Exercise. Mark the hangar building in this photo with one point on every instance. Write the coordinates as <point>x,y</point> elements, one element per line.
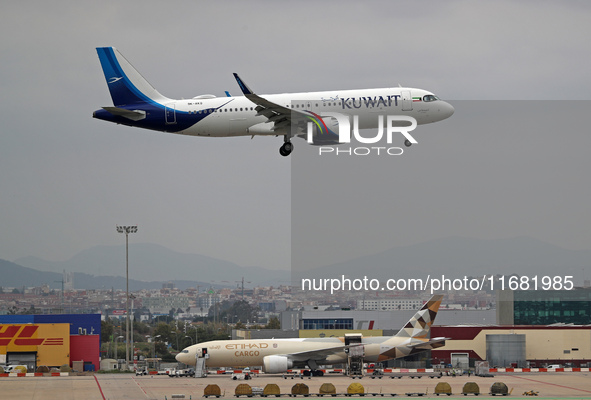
<point>519,346</point>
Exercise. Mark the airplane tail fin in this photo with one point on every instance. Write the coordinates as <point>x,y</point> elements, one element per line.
<point>126,84</point>
<point>419,325</point>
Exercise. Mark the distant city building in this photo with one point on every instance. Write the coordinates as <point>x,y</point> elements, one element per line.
<point>207,301</point>
<point>168,285</point>
<point>280,305</point>
<point>267,306</point>
<point>165,303</point>
<point>68,279</point>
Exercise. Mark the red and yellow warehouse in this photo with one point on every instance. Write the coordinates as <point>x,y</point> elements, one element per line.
<point>46,344</point>
<point>38,341</point>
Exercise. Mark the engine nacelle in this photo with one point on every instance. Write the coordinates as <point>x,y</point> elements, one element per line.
<point>276,364</point>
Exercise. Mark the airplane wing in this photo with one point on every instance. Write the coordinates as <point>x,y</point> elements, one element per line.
<point>284,118</point>
<point>319,355</point>
<point>316,354</point>
<point>280,116</point>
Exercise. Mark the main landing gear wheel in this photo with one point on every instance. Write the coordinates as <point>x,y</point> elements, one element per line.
<point>312,372</point>
<point>407,143</point>
<point>286,149</point>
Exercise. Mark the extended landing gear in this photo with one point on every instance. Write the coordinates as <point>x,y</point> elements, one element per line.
<point>286,149</point>
<point>312,372</point>
<point>407,143</point>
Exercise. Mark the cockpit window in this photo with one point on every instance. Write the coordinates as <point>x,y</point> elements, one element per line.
<point>185,351</point>
<point>430,97</point>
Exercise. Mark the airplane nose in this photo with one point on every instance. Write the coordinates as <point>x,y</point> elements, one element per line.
<point>448,110</point>
<point>186,356</point>
<point>182,357</point>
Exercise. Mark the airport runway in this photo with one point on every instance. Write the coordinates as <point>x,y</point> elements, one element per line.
<point>126,386</point>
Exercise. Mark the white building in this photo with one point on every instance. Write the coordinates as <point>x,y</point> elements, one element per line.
<point>389,304</point>
<point>159,304</point>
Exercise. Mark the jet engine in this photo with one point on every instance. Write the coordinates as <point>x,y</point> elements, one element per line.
<point>276,364</point>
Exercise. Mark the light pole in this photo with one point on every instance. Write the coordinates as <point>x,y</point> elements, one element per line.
<point>127,230</point>
<point>116,339</point>
<point>153,339</point>
<point>191,339</point>
<point>131,296</point>
<point>176,334</point>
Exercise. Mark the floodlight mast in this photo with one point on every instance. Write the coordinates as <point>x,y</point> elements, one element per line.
<point>127,230</point>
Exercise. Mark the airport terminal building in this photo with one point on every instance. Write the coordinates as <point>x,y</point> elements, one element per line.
<point>372,319</point>
<point>50,340</point>
<point>544,307</point>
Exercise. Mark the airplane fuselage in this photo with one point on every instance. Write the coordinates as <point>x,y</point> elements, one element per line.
<point>236,116</point>
<point>279,355</point>
<point>250,353</point>
<point>139,104</point>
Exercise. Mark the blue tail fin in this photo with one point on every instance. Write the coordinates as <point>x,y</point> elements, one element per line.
<point>126,84</point>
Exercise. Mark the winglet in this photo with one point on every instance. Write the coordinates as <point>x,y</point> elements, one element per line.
<point>245,89</point>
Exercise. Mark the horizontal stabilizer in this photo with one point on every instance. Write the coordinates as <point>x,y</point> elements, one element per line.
<point>426,345</point>
<point>134,115</point>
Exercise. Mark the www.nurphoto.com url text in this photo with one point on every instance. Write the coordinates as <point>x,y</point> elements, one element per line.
<point>435,284</point>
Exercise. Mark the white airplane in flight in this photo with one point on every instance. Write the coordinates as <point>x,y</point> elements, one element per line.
<point>137,103</point>
<point>279,355</point>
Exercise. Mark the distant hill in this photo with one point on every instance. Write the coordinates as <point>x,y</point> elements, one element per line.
<point>150,265</point>
<point>456,257</point>
<point>155,263</point>
<point>14,275</point>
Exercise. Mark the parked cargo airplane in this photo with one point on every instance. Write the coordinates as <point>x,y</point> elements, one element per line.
<point>279,355</point>
<point>137,103</point>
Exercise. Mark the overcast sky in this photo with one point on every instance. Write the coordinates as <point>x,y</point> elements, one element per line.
<point>66,180</point>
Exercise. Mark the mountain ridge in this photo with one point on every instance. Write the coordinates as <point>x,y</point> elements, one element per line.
<point>449,256</point>
<point>458,256</point>
<point>156,263</point>
<point>17,276</point>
